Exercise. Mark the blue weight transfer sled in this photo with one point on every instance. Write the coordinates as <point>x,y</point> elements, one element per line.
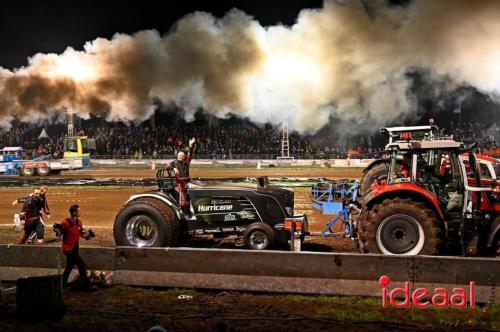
<point>337,198</point>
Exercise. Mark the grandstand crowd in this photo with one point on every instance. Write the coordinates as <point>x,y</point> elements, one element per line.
<point>216,139</point>
<point>487,136</point>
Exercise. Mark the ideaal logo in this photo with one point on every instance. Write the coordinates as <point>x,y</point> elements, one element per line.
<point>439,297</point>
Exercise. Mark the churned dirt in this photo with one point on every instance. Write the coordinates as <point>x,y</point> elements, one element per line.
<point>100,205</point>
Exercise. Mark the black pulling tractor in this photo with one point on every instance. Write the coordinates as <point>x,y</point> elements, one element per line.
<point>256,215</point>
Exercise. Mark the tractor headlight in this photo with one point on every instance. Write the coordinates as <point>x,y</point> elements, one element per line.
<point>289,210</point>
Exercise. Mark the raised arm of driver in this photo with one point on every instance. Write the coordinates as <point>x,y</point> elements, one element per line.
<point>192,146</point>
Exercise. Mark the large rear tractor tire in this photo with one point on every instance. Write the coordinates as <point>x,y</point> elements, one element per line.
<point>400,227</point>
<point>146,222</point>
<point>371,175</point>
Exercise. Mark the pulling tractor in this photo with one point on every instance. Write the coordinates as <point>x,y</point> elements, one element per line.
<point>430,195</point>
<point>261,217</point>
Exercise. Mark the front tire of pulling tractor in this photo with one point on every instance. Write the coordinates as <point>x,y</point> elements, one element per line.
<point>146,222</point>
<point>400,226</point>
<point>258,236</point>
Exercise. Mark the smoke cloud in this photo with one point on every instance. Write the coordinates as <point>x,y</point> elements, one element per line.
<point>349,60</point>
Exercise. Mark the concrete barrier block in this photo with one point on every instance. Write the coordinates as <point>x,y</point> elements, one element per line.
<point>262,271</point>
<point>271,271</point>
<point>450,272</point>
<point>98,258</point>
<point>30,255</point>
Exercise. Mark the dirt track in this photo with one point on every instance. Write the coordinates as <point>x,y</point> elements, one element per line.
<point>221,171</point>
<point>100,204</point>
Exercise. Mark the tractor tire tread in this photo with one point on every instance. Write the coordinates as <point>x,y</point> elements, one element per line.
<point>372,218</point>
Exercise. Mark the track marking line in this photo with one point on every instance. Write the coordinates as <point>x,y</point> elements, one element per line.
<point>85,226</point>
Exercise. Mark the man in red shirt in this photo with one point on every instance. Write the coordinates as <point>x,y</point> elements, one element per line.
<point>71,229</point>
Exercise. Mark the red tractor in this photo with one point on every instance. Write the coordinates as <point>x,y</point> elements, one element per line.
<point>435,196</point>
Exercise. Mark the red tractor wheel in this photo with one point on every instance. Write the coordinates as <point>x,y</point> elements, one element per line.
<point>400,227</point>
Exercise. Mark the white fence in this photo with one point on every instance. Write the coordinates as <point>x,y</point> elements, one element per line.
<point>237,162</point>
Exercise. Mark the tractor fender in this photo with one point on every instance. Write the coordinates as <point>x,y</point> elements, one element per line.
<point>372,164</point>
<point>411,190</point>
<point>162,198</point>
<point>495,230</point>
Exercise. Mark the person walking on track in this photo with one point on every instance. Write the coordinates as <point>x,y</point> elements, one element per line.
<point>32,216</point>
<point>71,229</point>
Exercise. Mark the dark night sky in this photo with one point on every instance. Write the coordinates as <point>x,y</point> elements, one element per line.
<point>49,26</point>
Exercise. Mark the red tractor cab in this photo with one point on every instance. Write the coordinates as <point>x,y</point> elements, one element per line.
<point>378,168</point>
<point>434,198</point>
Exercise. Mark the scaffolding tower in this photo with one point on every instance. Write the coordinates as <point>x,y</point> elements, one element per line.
<point>285,143</point>
<point>70,118</point>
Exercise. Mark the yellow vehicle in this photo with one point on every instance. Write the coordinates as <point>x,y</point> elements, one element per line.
<point>79,147</point>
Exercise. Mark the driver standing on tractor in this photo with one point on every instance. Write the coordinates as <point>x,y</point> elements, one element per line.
<point>180,166</point>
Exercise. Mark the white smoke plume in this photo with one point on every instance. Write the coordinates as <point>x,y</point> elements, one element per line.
<point>349,59</point>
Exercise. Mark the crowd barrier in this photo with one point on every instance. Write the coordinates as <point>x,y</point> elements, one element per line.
<point>264,271</point>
